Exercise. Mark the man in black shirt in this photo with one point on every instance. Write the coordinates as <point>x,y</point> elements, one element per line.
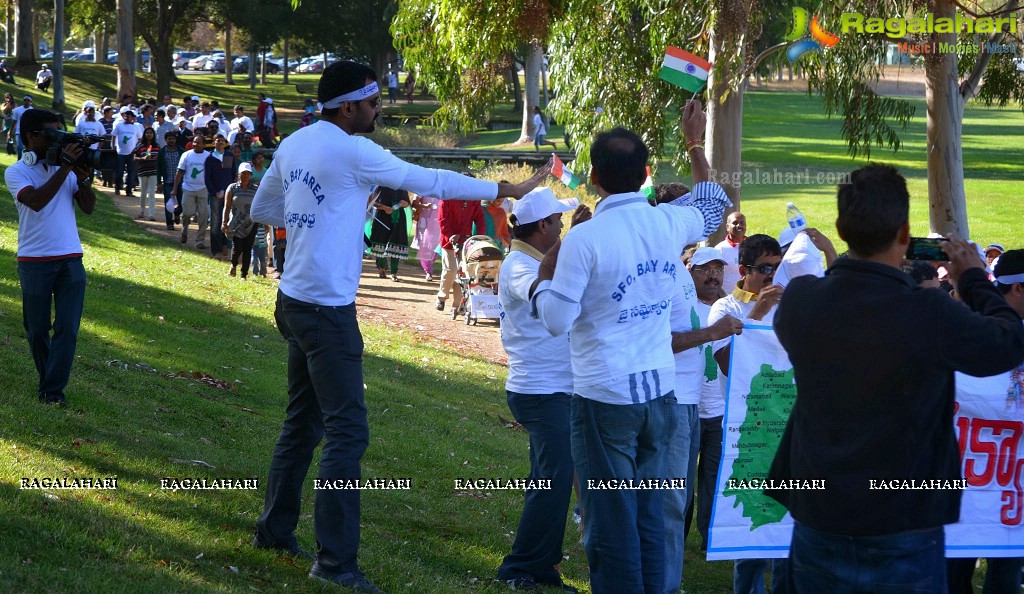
<point>873,356</point>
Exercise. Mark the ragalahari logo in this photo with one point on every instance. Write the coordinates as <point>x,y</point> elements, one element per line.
<point>819,37</point>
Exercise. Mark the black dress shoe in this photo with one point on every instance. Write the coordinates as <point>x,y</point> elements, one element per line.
<point>295,552</point>
<point>353,580</point>
<point>57,399</point>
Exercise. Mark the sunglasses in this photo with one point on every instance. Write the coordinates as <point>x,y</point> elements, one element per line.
<point>765,269</point>
<point>708,271</point>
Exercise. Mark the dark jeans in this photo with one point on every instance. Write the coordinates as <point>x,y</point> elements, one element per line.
<point>537,548</point>
<point>1002,576</point>
<point>243,247</point>
<point>123,164</point>
<point>748,576</point>
<point>707,476</point>
<point>903,562</point>
<point>218,241</point>
<point>168,192</point>
<point>45,85</point>
<point>625,529</point>
<point>62,283</point>
<point>279,249</point>
<point>325,398</point>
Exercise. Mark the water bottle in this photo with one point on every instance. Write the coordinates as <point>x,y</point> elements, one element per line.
<point>797,222</point>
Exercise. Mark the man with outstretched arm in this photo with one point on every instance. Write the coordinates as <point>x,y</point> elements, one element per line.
<point>317,188</point>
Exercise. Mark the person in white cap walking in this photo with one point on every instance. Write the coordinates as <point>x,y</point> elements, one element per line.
<point>238,224</point>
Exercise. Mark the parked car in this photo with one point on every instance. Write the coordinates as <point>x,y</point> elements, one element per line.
<point>1019,62</point>
<point>216,63</point>
<point>181,59</point>
<point>279,63</point>
<point>312,67</point>
<point>198,62</point>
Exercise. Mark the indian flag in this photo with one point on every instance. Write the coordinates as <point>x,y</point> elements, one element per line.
<point>559,170</point>
<point>684,69</point>
<point>648,188</point>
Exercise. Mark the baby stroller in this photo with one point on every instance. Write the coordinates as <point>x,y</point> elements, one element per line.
<point>478,261</point>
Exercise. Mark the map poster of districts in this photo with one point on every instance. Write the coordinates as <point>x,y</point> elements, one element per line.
<point>989,424</point>
<point>745,523</point>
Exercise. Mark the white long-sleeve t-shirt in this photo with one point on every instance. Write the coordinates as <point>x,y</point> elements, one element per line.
<point>317,187</point>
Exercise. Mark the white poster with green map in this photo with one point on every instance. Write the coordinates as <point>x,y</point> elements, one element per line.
<point>745,523</point>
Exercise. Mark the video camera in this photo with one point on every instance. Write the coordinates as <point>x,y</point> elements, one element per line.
<point>90,158</point>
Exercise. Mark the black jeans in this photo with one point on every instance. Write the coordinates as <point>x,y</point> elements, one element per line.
<point>325,398</point>
<point>168,193</point>
<point>242,246</point>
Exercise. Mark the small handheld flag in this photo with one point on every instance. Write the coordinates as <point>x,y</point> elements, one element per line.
<point>559,170</point>
<point>648,188</point>
<point>684,69</point>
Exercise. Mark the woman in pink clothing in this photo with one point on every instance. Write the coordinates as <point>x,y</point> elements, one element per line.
<point>428,232</point>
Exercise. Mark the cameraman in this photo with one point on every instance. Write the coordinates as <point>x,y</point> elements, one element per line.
<point>49,250</point>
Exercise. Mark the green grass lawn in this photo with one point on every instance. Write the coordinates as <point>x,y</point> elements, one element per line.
<point>159,318</point>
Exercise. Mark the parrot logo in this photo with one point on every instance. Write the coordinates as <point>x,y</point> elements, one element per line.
<point>819,36</point>
<point>124,139</point>
<point>195,172</point>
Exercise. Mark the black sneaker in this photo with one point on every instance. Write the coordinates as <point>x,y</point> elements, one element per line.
<point>353,580</point>
<point>296,551</point>
<point>57,399</point>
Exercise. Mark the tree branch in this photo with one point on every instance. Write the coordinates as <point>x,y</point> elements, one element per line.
<point>969,88</point>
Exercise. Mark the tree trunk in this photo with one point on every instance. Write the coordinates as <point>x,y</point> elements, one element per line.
<point>724,132</point>
<point>531,95</point>
<point>947,202</point>
<point>9,35</point>
<point>789,66</point>
<point>125,50</point>
<point>26,50</point>
<point>97,44</point>
<point>105,46</point>
<point>263,68</point>
<point>160,62</point>
<point>284,67</point>
<point>58,55</point>
<point>252,69</point>
<point>517,88</point>
<point>228,74</point>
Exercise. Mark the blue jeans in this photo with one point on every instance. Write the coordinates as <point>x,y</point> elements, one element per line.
<point>325,398</point>
<point>707,477</point>
<point>748,576</point>
<point>259,260</point>
<point>61,283</point>
<point>903,562</point>
<point>682,462</point>
<point>218,241</point>
<point>537,548</point>
<point>122,165</point>
<point>625,529</point>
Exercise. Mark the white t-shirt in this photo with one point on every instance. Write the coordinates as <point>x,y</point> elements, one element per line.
<point>53,231</point>
<point>200,120</point>
<point>538,125</point>
<point>43,75</point>
<point>242,123</point>
<point>712,403</point>
<point>193,165</point>
<point>685,318</point>
<point>126,137</point>
<point>732,263</point>
<point>16,114</point>
<point>620,271</point>
<point>538,363</point>
<point>93,127</point>
<point>322,205</point>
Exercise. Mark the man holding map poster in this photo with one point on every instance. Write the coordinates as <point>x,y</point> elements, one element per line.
<point>873,357</point>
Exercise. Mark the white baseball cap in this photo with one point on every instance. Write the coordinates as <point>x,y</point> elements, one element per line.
<point>538,204</point>
<point>245,167</point>
<point>706,254</point>
<point>195,97</point>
